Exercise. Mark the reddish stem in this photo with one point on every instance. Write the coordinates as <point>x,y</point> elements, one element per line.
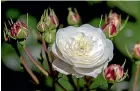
<point>49,55</point>
<point>35,62</point>
<point>29,70</point>
<point>135,77</point>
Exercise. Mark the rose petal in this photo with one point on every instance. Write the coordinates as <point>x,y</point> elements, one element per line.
<point>94,72</point>
<point>64,68</point>
<point>93,28</point>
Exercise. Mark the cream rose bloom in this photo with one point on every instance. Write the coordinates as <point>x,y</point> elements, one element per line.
<point>83,50</point>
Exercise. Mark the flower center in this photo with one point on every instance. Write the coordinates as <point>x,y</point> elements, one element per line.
<point>81,45</point>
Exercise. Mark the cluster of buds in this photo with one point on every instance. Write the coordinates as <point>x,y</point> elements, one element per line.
<point>47,25</point>
<point>48,21</point>
<point>115,73</point>
<point>136,51</point>
<point>17,31</point>
<point>113,24</point>
<point>73,18</point>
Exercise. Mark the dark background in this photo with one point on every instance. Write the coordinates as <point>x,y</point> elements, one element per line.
<point>21,81</point>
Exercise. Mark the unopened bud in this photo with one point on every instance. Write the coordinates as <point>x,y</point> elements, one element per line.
<point>73,18</point>
<point>113,24</point>
<point>136,51</point>
<point>19,30</point>
<point>49,21</point>
<point>115,19</point>
<point>115,73</point>
<point>42,27</point>
<point>110,30</point>
<point>50,36</point>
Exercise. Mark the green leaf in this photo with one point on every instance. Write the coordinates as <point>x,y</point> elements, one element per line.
<point>99,82</point>
<point>48,81</point>
<point>10,58</point>
<point>58,88</point>
<point>65,82</point>
<point>82,82</point>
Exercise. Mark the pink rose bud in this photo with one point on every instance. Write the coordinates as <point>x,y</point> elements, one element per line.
<point>115,19</point>
<point>19,30</point>
<point>114,72</point>
<point>112,25</point>
<point>109,29</point>
<point>137,50</point>
<point>73,18</point>
<point>53,19</point>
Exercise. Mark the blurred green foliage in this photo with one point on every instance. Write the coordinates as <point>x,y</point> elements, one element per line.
<point>13,13</point>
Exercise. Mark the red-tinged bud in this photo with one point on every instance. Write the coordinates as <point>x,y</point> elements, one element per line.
<point>53,19</point>
<point>115,19</point>
<point>49,21</point>
<point>109,29</point>
<point>137,50</point>
<point>19,30</point>
<point>113,24</point>
<point>73,18</point>
<point>114,72</point>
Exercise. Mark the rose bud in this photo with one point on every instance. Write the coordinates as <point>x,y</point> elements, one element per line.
<point>50,36</point>
<point>113,24</point>
<point>115,19</point>
<point>19,30</point>
<point>42,27</point>
<point>73,18</point>
<point>115,73</point>
<point>48,21</point>
<point>53,20</point>
<point>136,51</point>
<point>110,30</point>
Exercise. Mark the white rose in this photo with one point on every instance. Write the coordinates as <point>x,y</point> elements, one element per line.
<point>83,50</point>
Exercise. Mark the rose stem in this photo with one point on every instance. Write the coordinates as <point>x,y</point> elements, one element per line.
<point>35,62</point>
<point>23,62</point>
<point>136,77</point>
<point>29,70</point>
<point>49,55</point>
<point>49,63</point>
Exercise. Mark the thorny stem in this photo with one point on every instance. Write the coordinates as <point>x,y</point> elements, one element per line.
<point>23,62</point>
<point>35,62</point>
<point>136,77</point>
<point>29,70</point>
